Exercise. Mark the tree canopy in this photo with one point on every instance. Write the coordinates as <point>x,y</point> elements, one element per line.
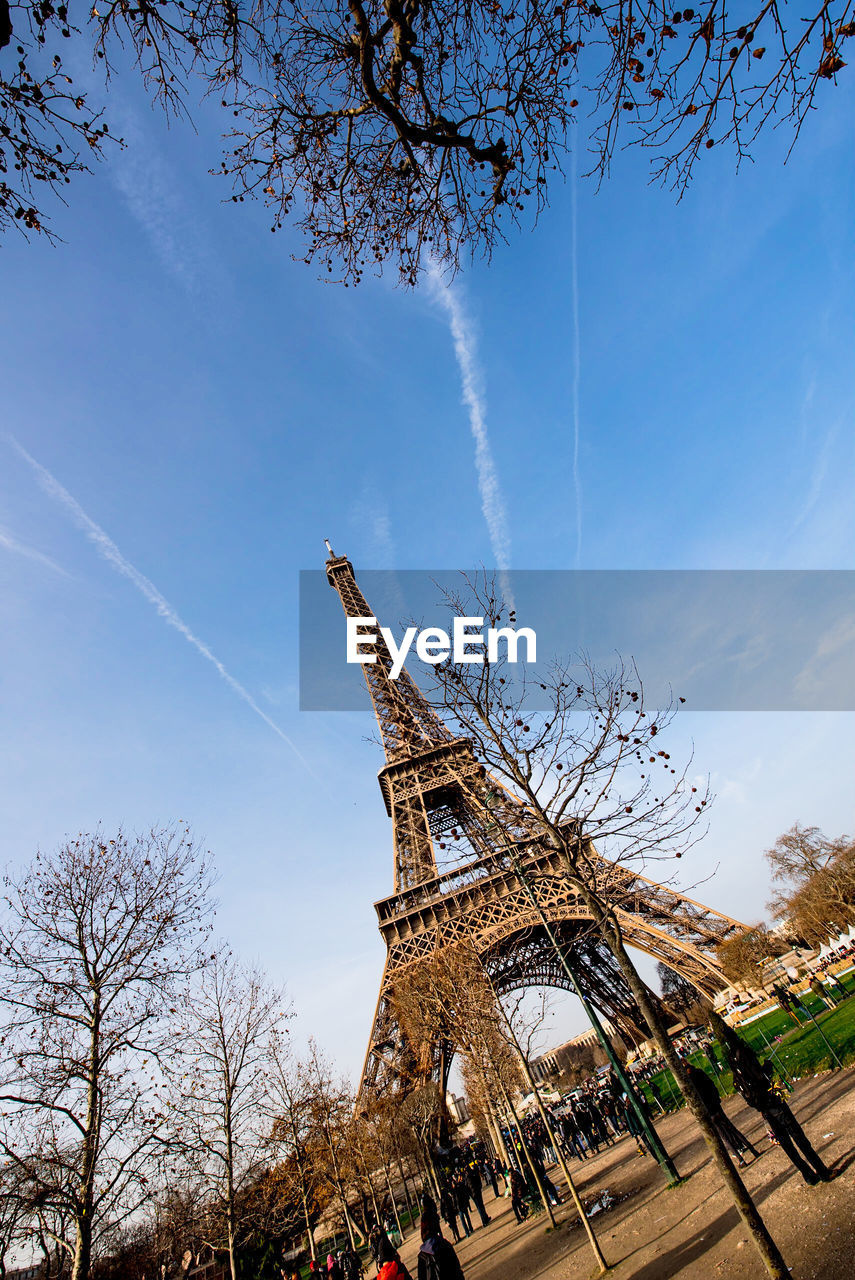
<point>814,881</point>
<point>407,131</point>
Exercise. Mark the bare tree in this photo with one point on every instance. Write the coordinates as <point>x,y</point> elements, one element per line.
<point>220,1082</point>
<point>332,1104</point>
<point>590,778</point>
<point>815,883</point>
<point>410,132</point>
<point>289,1107</point>
<point>447,995</point>
<point>520,1028</point>
<point>424,1112</point>
<point>681,996</point>
<point>97,940</point>
<point>15,1212</point>
<point>798,855</point>
<point>743,957</point>
<point>380,1123</point>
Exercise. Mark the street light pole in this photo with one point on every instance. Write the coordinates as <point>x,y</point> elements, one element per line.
<point>665,1162</point>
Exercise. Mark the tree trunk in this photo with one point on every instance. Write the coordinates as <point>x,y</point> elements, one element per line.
<point>754,1223</point>
<point>400,1165</point>
<point>370,1182</point>
<point>82,1251</point>
<point>232,1258</point>
<point>347,1221</point>
<point>527,1156</point>
<point>431,1168</point>
<point>421,1168</point>
<point>385,1168</point>
<point>231,1223</point>
<point>305,1200</point>
<point>580,1208</point>
<point>497,1127</point>
<point>89,1156</point>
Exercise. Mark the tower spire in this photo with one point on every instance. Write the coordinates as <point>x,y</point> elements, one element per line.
<point>425,763</point>
<point>408,725</point>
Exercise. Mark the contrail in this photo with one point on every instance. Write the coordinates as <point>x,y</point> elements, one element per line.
<point>108,550</point>
<point>12,544</point>
<point>466,353</point>
<point>577,359</point>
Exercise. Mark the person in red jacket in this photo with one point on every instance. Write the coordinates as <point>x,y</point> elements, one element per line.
<point>389,1265</point>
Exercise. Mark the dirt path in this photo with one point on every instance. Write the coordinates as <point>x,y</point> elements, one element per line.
<point>692,1231</point>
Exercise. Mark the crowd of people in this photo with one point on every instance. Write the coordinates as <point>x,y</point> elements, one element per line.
<point>437,1259</point>
<point>595,1116</point>
<point>346,1264</point>
<point>828,991</point>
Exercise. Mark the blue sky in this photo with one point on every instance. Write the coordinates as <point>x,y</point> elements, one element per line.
<point>218,412</point>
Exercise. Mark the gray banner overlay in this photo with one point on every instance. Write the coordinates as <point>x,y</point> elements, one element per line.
<point>725,640</point>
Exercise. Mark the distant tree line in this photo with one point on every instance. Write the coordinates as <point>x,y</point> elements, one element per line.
<point>813,901</point>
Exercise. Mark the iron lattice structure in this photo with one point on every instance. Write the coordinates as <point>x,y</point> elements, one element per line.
<point>435,789</point>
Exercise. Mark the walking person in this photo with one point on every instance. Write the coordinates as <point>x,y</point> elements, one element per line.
<point>607,1107</point>
<point>833,988</point>
<point>474,1184</point>
<point>545,1181</point>
<point>437,1259</point>
<point>429,1205</point>
<point>351,1265</point>
<point>518,1193</point>
<point>377,1240</point>
<point>752,1079</point>
<point>788,1002</point>
<point>503,1181</point>
<point>448,1209</point>
<point>600,1127</point>
<point>461,1196</point>
<point>586,1124</point>
<point>490,1170</point>
<point>735,1141</point>
<point>389,1265</point>
<point>570,1134</point>
<point>334,1271</point>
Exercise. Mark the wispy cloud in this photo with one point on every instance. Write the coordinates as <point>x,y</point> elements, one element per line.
<point>370,514</point>
<point>108,551</point>
<point>472,386</point>
<point>150,190</point>
<point>820,470</point>
<point>21,549</point>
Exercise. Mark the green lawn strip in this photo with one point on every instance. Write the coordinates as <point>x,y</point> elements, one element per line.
<point>800,1051</point>
<point>803,1051</point>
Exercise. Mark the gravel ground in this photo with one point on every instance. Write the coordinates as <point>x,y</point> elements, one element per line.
<point>690,1231</point>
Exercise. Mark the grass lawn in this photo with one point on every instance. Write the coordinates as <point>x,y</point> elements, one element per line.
<point>794,1051</point>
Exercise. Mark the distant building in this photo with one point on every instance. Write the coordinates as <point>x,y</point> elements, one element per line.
<point>549,1065</point>
<point>459,1109</point>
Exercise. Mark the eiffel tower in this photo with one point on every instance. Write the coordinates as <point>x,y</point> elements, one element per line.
<point>437,793</point>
